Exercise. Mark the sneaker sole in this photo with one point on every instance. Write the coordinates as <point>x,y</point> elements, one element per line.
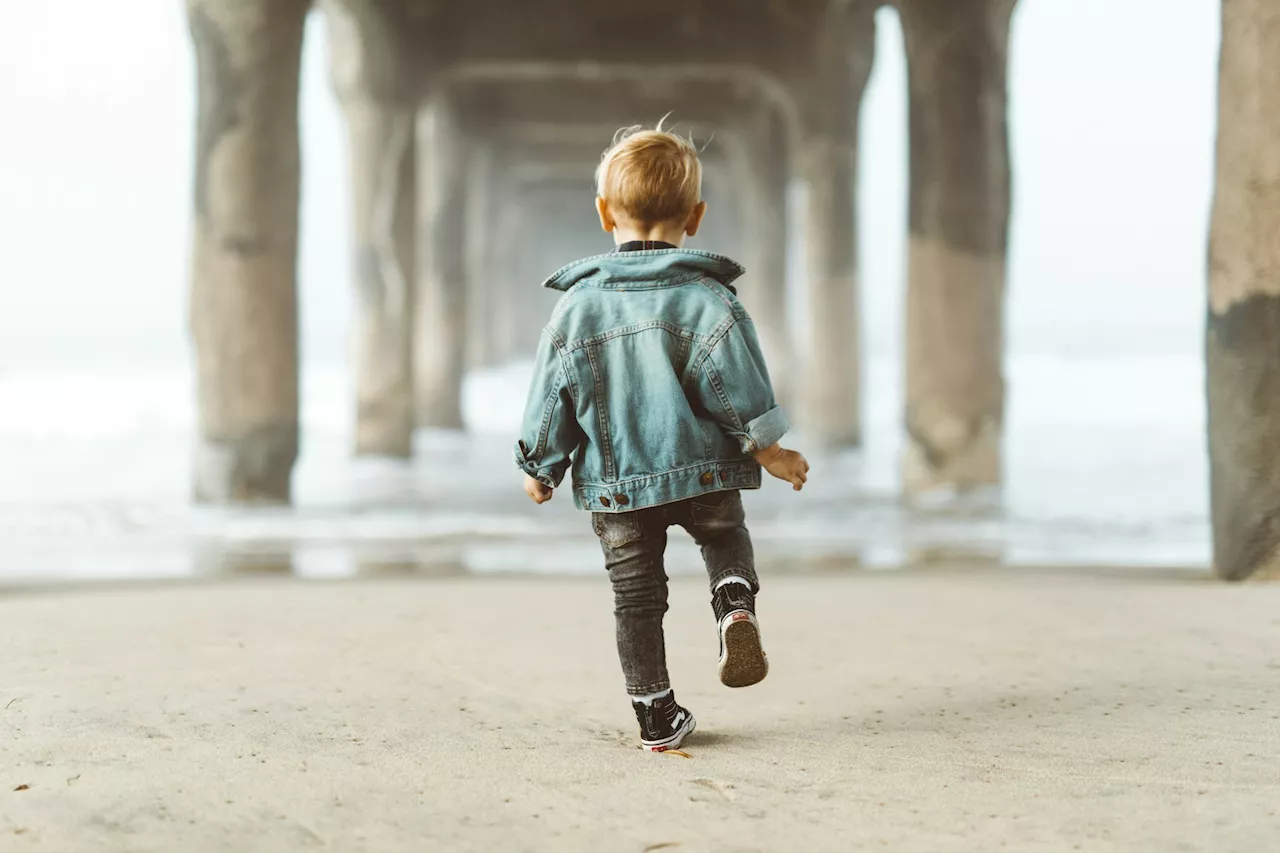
<point>673,742</point>
<point>744,662</point>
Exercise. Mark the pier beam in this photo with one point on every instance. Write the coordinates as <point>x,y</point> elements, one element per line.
<point>763,182</point>
<point>483,298</point>
<point>827,154</point>
<point>243,301</point>
<point>957,59</point>
<point>1242,343</point>
<point>372,80</point>
<point>504,318</point>
<point>441,310</point>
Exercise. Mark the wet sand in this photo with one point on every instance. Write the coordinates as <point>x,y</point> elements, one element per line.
<point>936,711</point>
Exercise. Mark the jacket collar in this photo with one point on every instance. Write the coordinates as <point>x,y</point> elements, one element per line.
<point>641,245</point>
<point>650,267</point>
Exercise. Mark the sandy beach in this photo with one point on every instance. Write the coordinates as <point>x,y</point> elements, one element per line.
<point>909,712</point>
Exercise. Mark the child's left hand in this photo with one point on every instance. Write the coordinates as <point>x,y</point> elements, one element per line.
<point>537,491</point>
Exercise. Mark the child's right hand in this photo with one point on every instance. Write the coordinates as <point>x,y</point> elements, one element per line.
<point>785,465</point>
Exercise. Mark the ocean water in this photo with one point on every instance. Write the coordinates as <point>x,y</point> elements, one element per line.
<point>1105,467</point>
<point>1105,451</point>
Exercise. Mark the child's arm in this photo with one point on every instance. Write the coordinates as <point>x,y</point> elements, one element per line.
<point>734,386</point>
<point>550,431</point>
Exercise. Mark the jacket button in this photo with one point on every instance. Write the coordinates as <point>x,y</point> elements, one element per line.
<point>604,501</point>
<point>621,500</point>
<point>707,478</point>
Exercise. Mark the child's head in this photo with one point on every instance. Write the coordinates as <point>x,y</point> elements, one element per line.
<point>649,186</point>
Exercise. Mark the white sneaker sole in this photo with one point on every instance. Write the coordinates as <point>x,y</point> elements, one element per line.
<point>743,662</point>
<point>683,731</point>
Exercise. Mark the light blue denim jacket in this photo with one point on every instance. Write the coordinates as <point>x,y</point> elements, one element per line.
<point>650,380</point>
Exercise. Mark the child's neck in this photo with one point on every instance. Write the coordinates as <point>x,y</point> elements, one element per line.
<point>660,233</point>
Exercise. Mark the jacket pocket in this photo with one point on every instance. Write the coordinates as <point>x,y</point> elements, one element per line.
<point>616,529</point>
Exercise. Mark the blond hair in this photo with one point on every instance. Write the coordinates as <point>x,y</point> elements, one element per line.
<point>651,175</point>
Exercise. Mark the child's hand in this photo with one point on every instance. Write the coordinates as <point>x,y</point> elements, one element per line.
<point>785,465</point>
<point>536,490</point>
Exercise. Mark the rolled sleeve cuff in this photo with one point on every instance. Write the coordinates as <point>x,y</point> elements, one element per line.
<point>548,475</point>
<point>765,431</point>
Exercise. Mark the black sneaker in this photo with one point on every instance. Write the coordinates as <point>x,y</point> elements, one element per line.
<point>663,724</point>
<point>742,658</point>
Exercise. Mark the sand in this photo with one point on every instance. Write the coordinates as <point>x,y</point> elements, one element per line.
<point>907,712</point>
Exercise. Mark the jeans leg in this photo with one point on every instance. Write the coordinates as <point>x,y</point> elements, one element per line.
<point>717,522</point>
<point>634,544</point>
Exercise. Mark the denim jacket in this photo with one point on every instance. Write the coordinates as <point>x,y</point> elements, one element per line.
<point>649,379</point>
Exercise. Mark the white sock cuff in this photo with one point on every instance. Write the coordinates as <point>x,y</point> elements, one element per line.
<point>650,698</point>
<point>731,579</point>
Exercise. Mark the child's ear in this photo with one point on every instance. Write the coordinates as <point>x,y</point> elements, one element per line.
<point>606,217</point>
<point>695,218</point>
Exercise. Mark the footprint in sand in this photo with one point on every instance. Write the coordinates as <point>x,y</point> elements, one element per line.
<point>724,789</point>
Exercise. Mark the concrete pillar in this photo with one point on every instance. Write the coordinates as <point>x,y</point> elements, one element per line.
<point>380,113</point>
<point>827,163</point>
<point>244,307</point>
<point>557,224</point>
<point>764,176</point>
<point>729,200</point>
<point>543,222</point>
<point>957,56</point>
<point>481,240</point>
<point>504,315</point>
<point>1243,336</point>
<point>773,315</point>
<point>831,405</point>
<point>441,310</point>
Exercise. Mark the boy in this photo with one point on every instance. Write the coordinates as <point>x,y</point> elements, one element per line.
<point>649,377</point>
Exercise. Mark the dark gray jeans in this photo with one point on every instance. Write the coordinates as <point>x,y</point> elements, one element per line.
<point>634,544</point>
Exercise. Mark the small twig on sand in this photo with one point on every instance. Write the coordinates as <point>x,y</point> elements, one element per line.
<point>663,846</point>
<point>678,752</point>
<point>11,701</point>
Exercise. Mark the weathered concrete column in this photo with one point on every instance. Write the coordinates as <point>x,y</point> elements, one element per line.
<point>832,384</point>
<point>481,240</point>
<point>827,163</point>
<point>1243,337</point>
<point>957,56</point>
<point>773,315</point>
<point>766,296</point>
<point>729,198</point>
<point>244,306</point>
<point>505,273</point>
<point>441,311</point>
<point>371,80</point>
<point>505,317</point>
